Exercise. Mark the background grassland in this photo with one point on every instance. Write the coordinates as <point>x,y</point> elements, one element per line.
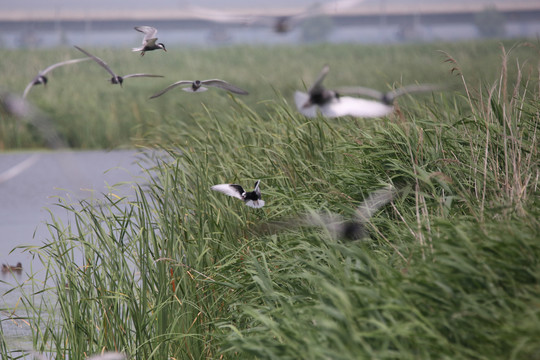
<point>90,113</point>
<point>451,268</point>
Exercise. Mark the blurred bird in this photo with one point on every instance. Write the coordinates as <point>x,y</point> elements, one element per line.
<point>217,16</point>
<point>336,225</point>
<point>196,86</point>
<point>149,40</point>
<point>116,79</point>
<point>331,104</point>
<point>42,79</point>
<point>22,109</point>
<point>284,24</point>
<point>252,199</point>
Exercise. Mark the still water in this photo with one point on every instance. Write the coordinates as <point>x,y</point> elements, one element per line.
<point>27,201</point>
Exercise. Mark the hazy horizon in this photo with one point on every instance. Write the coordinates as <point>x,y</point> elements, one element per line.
<point>40,5</point>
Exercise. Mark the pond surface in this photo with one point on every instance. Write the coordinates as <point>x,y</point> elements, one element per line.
<point>31,186</point>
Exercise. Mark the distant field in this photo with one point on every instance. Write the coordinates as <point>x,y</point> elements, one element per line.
<point>89,112</point>
<point>450,269</point>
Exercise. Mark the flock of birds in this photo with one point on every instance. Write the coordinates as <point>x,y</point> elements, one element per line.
<point>317,100</point>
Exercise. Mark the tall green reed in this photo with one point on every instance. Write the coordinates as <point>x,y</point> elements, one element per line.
<point>183,272</point>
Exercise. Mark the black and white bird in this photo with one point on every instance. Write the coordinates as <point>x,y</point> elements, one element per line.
<point>40,78</point>
<point>336,225</point>
<point>23,110</point>
<point>252,198</point>
<point>116,79</point>
<point>332,104</point>
<point>197,86</point>
<point>149,40</point>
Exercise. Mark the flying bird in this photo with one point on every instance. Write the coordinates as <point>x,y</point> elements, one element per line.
<point>284,24</point>
<point>42,79</point>
<point>252,198</point>
<point>149,40</point>
<point>332,104</point>
<point>116,79</point>
<point>20,108</point>
<point>337,226</point>
<point>196,86</point>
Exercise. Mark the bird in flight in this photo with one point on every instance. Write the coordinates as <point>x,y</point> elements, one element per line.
<point>251,198</point>
<point>332,103</point>
<point>41,77</point>
<point>149,40</point>
<point>116,79</point>
<point>336,225</point>
<point>197,86</point>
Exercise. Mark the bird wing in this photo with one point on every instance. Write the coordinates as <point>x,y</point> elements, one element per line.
<point>230,189</point>
<point>224,85</point>
<point>256,189</point>
<point>361,91</point>
<point>172,86</point>
<point>149,33</point>
<point>62,63</point>
<point>302,99</point>
<point>374,202</point>
<point>28,87</point>
<point>356,107</point>
<point>331,222</point>
<point>102,63</point>
<point>151,42</point>
<point>140,75</point>
<point>411,89</point>
<point>320,78</point>
<point>46,70</point>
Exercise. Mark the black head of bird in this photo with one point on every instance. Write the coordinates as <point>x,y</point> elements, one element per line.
<point>117,80</point>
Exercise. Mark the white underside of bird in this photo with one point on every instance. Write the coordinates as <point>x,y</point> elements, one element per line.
<point>342,106</point>
<point>234,191</point>
<point>190,89</point>
<point>255,203</point>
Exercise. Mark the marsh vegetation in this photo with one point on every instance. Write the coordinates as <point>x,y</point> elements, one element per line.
<point>451,268</point>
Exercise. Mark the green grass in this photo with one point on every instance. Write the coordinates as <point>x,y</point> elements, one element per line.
<point>90,113</point>
<point>451,268</point>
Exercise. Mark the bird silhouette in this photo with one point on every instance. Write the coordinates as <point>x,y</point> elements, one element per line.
<point>149,40</point>
<point>116,79</point>
<point>251,198</point>
<point>196,86</point>
<point>336,225</point>
<point>40,78</point>
<point>332,103</point>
